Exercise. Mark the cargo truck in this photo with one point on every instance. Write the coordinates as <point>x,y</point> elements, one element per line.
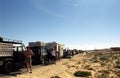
<point>11,54</point>
<point>38,48</point>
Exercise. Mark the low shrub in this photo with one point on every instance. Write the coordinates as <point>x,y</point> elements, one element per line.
<point>103,58</point>
<point>90,68</point>
<point>78,62</point>
<point>118,75</point>
<point>105,71</point>
<point>117,66</point>
<point>87,66</point>
<point>55,77</point>
<point>103,76</point>
<point>117,62</point>
<point>82,73</point>
<point>94,60</point>
<point>103,63</point>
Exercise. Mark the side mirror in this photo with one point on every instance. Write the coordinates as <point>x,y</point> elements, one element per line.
<point>1,39</point>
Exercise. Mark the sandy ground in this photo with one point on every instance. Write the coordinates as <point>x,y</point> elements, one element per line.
<point>100,64</point>
<point>58,69</point>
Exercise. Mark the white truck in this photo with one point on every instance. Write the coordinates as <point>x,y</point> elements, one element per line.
<point>11,54</point>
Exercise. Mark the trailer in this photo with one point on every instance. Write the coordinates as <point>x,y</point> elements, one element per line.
<point>11,54</point>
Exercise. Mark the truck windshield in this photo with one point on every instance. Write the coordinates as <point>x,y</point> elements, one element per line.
<point>18,47</point>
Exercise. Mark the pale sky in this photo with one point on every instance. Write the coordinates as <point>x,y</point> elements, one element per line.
<point>80,24</point>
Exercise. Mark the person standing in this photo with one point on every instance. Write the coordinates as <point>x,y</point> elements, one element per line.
<point>28,59</point>
<point>53,52</point>
<point>58,55</point>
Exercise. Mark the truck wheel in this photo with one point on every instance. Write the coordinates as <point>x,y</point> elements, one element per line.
<point>8,67</point>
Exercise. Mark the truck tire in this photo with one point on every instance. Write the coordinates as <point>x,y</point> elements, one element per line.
<point>8,67</point>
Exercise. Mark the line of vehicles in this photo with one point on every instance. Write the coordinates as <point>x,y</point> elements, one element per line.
<point>12,53</point>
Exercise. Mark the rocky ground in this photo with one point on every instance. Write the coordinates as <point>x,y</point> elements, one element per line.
<point>93,64</point>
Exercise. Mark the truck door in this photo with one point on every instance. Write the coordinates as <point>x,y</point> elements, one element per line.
<point>18,56</point>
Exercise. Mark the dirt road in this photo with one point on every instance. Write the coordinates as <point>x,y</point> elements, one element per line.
<point>40,71</point>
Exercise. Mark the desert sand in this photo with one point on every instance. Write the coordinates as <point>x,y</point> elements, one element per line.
<point>101,64</point>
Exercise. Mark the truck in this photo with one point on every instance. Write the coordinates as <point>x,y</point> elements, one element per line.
<point>115,48</point>
<point>41,50</point>
<point>38,49</point>
<point>58,47</point>
<point>11,54</point>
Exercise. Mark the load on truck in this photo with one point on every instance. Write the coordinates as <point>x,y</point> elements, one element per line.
<point>11,54</point>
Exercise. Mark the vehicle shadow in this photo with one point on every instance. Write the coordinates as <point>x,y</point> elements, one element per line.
<point>14,73</point>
